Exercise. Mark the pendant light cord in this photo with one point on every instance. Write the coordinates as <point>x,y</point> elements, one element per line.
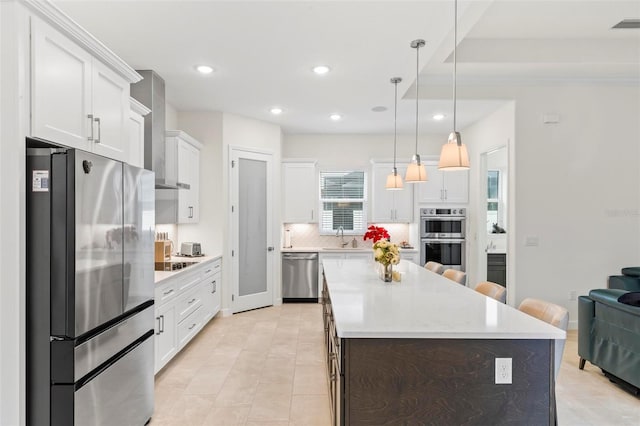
<point>455,45</point>
<point>417,85</point>
<point>395,125</point>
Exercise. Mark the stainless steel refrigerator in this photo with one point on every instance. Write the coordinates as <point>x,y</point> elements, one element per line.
<point>90,319</point>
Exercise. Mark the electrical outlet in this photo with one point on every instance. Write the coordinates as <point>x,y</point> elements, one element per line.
<point>503,371</point>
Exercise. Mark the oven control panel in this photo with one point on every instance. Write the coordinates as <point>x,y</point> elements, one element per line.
<point>440,212</point>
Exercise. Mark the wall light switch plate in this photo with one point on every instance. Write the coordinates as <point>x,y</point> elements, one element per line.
<point>503,371</point>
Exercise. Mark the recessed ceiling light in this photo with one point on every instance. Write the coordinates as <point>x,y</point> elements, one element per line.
<point>204,69</point>
<point>379,108</point>
<point>276,110</point>
<point>336,117</point>
<point>438,116</point>
<point>321,69</point>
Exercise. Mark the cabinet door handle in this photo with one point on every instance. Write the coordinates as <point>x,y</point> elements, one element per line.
<point>161,323</point>
<point>90,117</point>
<point>159,329</point>
<point>311,214</point>
<point>97,120</point>
<point>446,195</point>
<point>213,286</point>
<point>191,328</point>
<point>191,301</point>
<point>166,293</point>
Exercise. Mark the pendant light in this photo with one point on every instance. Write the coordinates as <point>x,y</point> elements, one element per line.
<point>415,171</point>
<point>394,180</point>
<point>454,155</point>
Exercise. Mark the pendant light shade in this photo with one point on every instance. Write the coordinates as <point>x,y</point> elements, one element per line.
<point>394,180</point>
<point>415,171</point>
<point>454,155</point>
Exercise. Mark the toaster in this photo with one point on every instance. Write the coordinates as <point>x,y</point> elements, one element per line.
<point>190,249</point>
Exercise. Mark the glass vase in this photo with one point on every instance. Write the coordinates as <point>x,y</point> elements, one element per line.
<point>387,273</point>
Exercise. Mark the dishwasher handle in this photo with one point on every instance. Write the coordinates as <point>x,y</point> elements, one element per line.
<point>300,256</point>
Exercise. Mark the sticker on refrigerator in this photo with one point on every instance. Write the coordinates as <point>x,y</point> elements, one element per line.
<point>40,181</point>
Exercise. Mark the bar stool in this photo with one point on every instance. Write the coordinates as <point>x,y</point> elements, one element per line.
<point>434,267</point>
<point>493,290</point>
<point>454,275</point>
<point>552,314</point>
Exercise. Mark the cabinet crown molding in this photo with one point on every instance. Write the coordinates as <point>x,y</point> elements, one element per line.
<point>184,136</point>
<point>138,107</point>
<point>56,17</point>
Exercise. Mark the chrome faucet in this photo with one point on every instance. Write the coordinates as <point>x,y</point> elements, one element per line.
<point>340,233</point>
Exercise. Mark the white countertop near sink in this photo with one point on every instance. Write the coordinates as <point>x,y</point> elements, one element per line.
<point>362,249</point>
<point>159,276</point>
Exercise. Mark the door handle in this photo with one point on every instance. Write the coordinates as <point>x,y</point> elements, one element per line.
<point>97,120</point>
<point>90,117</point>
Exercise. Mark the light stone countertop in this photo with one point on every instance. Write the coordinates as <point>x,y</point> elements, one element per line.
<point>159,276</point>
<point>423,305</point>
<point>359,249</point>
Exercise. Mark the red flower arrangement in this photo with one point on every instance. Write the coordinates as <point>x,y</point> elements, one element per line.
<point>376,233</point>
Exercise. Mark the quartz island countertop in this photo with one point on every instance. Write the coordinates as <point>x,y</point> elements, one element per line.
<point>423,305</point>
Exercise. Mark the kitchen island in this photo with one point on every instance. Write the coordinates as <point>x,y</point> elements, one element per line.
<point>423,351</point>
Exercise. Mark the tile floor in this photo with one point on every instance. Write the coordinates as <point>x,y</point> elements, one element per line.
<point>266,367</point>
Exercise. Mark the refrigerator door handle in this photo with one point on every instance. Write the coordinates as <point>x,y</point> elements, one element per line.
<point>97,120</point>
<point>90,117</point>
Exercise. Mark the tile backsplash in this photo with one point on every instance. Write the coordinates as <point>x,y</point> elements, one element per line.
<point>308,235</point>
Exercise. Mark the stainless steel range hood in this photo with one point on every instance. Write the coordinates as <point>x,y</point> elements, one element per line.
<point>150,92</point>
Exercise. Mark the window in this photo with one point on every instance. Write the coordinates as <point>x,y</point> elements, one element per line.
<point>493,199</point>
<point>342,202</point>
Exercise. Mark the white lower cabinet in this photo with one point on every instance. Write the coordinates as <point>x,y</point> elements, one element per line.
<point>184,305</point>
<point>411,256</point>
<point>166,344</point>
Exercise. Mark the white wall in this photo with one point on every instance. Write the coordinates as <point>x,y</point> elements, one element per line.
<point>241,132</point>
<point>171,117</point>
<point>357,150</point>
<point>576,187</point>
<point>493,131</point>
<point>14,126</point>
<point>206,127</point>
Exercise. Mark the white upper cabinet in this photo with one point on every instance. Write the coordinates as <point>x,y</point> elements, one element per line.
<point>185,151</point>
<point>77,100</point>
<point>137,112</point>
<point>390,206</point>
<point>443,187</point>
<point>300,192</point>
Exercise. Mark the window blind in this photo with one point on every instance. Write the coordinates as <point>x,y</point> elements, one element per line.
<point>343,203</point>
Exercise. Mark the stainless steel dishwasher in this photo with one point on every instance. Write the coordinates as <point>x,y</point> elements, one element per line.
<point>300,277</point>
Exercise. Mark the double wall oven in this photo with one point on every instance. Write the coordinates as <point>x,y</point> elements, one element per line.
<point>442,236</point>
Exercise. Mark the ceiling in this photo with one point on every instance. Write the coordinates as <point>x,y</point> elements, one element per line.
<point>263,53</point>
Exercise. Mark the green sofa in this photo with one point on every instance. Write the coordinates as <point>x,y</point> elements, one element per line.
<point>609,336</point>
<point>629,280</point>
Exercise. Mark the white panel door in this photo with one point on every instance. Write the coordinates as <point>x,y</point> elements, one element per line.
<point>61,88</point>
<point>110,94</point>
<point>252,237</point>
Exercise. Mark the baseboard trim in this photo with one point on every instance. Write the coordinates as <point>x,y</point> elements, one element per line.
<point>226,312</point>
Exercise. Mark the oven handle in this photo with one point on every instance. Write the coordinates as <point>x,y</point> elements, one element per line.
<point>442,240</point>
<point>443,218</point>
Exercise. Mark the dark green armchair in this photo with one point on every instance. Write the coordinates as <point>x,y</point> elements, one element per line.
<point>609,336</point>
